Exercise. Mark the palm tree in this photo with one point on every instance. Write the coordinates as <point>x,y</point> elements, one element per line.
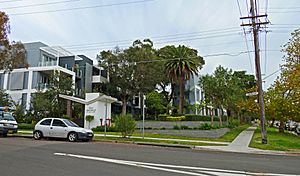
<point>181,63</point>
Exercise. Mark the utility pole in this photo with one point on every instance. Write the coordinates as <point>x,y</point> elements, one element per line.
<point>255,23</point>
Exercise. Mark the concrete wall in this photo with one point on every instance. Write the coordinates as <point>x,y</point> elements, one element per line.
<point>33,53</point>
<point>97,109</point>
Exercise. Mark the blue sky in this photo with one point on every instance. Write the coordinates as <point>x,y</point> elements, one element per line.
<point>210,26</point>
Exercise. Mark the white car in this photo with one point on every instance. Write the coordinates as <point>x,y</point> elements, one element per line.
<point>61,128</point>
<point>8,124</point>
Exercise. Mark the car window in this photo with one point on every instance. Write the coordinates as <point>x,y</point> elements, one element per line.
<point>70,123</point>
<point>58,123</point>
<point>46,122</point>
<point>7,116</point>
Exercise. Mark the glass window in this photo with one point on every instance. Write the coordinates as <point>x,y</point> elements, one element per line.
<point>70,123</point>
<point>46,122</point>
<point>7,116</point>
<point>58,123</point>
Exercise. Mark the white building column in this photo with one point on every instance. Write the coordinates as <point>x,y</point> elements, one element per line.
<point>29,88</point>
<point>5,81</point>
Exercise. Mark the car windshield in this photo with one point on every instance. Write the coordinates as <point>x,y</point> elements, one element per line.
<point>7,116</point>
<point>70,123</point>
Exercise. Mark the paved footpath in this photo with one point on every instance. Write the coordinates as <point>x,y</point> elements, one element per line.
<point>241,145</point>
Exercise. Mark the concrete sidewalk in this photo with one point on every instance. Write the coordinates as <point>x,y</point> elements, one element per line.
<point>241,145</point>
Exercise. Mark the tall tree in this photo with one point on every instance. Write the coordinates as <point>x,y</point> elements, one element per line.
<point>5,99</point>
<point>181,63</point>
<point>131,71</point>
<point>12,54</point>
<point>226,89</point>
<point>284,95</point>
<point>47,103</point>
<point>156,103</point>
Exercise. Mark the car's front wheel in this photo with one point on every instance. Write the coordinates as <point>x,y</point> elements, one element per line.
<point>72,137</point>
<point>37,135</point>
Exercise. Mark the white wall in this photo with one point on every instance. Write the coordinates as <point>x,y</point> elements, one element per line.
<point>96,109</point>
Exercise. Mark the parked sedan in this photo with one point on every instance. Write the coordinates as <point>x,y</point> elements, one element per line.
<point>8,124</point>
<point>61,128</point>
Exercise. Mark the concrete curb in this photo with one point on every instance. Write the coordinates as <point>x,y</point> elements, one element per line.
<point>251,151</point>
<point>164,145</point>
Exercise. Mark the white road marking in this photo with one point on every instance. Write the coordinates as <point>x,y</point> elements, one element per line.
<point>199,171</point>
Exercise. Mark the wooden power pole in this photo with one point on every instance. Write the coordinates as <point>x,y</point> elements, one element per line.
<point>255,23</point>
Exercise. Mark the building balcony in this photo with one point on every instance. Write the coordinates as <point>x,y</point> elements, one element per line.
<point>99,79</point>
<point>47,63</point>
<point>42,86</point>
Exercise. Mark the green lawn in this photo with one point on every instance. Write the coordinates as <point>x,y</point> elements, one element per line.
<point>228,137</point>
<point>276,141</point>
<point>133,140</point>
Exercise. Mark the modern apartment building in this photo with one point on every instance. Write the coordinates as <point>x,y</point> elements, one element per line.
<point>43,60</point>
<point>194,95</point>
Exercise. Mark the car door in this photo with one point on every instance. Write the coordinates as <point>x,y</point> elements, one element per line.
<point>44,127</point>
<point>58,129</point>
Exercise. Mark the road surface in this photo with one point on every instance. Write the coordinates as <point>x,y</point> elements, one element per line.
<point>22,157</point>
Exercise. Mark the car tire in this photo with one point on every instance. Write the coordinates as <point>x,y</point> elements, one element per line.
<point>72,137</point>
<point>4,134</point>
<point>37,135</point>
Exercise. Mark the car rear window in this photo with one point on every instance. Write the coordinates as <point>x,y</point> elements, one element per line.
<point>46,122</point>
<point>7,116</point>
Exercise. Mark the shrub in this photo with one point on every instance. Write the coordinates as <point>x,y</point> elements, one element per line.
<point>162,128</point>
<point>176,127</point>
<point>101,129</point>
<point>89,118</point>
<point>232,123</point>
<point>184,127</point>
<point>125,124</point>
<point>175,118</point>
<point>162,117</point>
<point>25,126</point>
<point>205,126</point>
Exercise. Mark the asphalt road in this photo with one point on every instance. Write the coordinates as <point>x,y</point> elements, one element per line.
<point>27,157</point>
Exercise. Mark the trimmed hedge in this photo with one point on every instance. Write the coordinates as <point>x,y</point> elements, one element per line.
<point>188,117</point>
<point>25,126</point>
<point>101,129</point>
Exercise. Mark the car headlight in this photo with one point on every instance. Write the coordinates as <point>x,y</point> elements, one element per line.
<point>1,124</point>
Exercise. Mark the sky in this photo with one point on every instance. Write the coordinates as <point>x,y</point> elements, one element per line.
<point>210,26</point>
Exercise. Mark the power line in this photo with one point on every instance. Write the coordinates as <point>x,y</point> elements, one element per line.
<point>245,36</point>
<point>80,8</point>
<point>161,37</point>
<point>297,11</point>
<point>266,77</point>
<point>41,4</point>
<point>160,41</point>
<point>9,1</point>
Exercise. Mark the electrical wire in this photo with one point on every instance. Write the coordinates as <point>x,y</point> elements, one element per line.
<point>245,36</point>
<point>266,77</point>
<point>41,4</point>
<point>80,8</point>
<point>9,1</point>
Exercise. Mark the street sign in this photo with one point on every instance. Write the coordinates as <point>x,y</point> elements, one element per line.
<point>251,94</point>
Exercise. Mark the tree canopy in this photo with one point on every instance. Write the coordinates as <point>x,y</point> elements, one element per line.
<point>131,71</point>
<point>181,63</point>
<point>12,54</point>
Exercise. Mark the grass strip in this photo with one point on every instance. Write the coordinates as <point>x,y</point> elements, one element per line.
<point>276,141</point>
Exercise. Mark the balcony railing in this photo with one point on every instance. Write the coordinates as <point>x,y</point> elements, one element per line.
<point>42,86</point>
<point>47,63</point>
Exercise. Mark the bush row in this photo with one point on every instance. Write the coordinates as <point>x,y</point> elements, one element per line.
<point>187,117</point>
<point>25,126</point>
